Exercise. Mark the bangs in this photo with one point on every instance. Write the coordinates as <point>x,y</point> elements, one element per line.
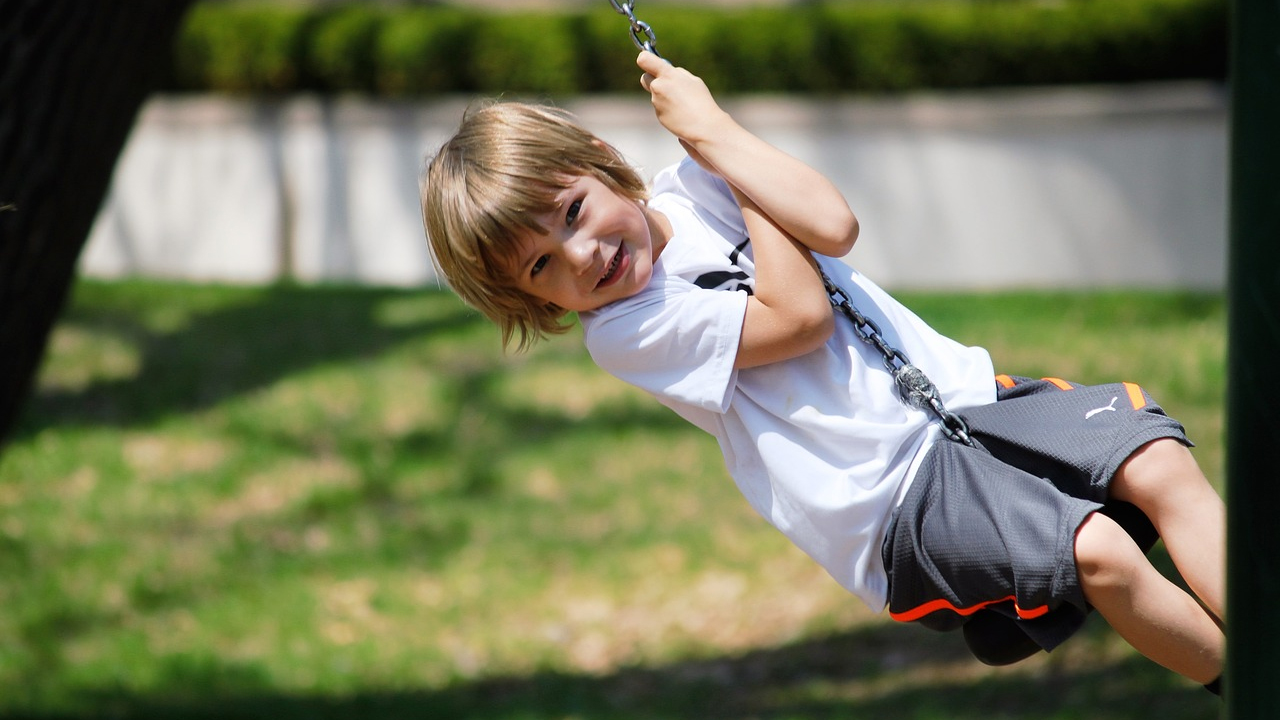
<point>502,208</point>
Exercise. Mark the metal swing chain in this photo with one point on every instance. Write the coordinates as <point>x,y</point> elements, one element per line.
<point>641,34</point>
<point>914,387</point>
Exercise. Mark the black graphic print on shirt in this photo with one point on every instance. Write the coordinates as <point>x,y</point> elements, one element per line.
<point>731,280</point>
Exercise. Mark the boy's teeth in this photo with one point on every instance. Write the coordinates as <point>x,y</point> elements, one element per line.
<point>613,265</point>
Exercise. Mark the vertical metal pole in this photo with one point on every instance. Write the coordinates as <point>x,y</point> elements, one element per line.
<point>1253,385</point>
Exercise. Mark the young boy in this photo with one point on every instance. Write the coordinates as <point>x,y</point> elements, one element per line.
<point>708,293</point>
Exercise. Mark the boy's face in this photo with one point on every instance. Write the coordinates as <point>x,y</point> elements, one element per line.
<point>600,248</point>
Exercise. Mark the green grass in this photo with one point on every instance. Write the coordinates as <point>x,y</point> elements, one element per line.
<point>340,502</point>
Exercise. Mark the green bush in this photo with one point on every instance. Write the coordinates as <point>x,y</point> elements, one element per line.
<point>243,48</point>
<point>341,52</point>
<point>869,48</point>
<point>817,47</point>
<point>526,53</point>
<point>426,51</point>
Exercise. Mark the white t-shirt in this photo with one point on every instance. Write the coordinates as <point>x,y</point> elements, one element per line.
<point>821,445</point>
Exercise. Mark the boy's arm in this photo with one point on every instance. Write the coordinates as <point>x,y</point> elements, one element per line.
<point>799,199</point>
<point>789,210</point>
<point>790,313</point>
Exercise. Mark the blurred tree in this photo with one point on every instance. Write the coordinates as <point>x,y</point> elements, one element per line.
<point>73,75</point>
<point>1253,324</point>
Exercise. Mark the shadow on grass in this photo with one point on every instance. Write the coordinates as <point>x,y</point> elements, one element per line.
<point>236,346</point>
<point>878,671</point>
<point>258,336</point>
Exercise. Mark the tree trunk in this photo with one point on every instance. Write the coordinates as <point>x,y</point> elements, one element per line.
<point>73,75</point>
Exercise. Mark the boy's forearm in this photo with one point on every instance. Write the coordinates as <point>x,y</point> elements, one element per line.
<point>789,313</point>
<point>802,201</point>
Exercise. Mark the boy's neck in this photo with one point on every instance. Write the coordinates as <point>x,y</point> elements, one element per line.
<point>659,229</point>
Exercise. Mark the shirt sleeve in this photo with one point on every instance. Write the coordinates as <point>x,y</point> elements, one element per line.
<point>673,340</point>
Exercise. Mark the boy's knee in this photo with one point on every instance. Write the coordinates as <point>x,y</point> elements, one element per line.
<point>1106,555</point>
<point>1153,471</point>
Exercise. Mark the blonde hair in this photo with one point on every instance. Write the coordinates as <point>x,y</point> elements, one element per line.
<point>487,185</point>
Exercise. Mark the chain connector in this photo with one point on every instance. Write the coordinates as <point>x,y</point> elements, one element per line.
<point>915,389</point>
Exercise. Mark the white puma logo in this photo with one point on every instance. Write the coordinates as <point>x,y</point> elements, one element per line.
<point>1104,408</point>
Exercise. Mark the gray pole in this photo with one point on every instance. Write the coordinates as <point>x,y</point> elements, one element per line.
<point>1253,383</point>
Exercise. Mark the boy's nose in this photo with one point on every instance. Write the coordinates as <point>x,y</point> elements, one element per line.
<point>581,254</point>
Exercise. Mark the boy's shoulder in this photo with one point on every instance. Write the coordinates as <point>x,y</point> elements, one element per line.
<point>701,209</point>
<point>672,339</point>
<point>689,183</point>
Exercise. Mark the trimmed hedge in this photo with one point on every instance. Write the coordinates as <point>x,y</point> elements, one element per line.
<point>414,50</point>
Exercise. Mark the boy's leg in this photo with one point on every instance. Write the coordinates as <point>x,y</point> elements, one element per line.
<point>1164,481</point>
<point>1155,616</point>
<point>1078,426</point>
<point>1112,442</point>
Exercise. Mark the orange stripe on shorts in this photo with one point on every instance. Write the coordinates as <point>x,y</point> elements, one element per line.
<point>1005,381</point>
<point>1136,398</point>
<point>1062,384</point>
<point>935,605</point>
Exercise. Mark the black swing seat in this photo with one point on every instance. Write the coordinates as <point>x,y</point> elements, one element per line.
<point>995,639</point>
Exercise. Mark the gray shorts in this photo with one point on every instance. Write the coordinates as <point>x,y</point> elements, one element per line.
<point>994,527</point>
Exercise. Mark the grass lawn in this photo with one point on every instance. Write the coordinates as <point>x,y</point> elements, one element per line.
<point>346,502</point>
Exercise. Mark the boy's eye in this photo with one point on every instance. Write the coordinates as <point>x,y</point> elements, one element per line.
<point>572,213</point>
<point>539,264</point>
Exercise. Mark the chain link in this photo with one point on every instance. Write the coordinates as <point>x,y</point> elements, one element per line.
<point>641,34</point>
<point>914,387</point>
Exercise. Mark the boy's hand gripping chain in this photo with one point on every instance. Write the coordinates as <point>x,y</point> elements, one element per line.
<point>915,388</point>
<point>641,34</point>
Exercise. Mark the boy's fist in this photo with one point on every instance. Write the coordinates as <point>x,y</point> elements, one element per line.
<point>681,101</point>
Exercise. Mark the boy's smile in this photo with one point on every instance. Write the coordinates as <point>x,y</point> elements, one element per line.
<point>600,247</point>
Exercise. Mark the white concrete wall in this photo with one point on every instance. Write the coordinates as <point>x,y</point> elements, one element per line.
<point>1077,187</point>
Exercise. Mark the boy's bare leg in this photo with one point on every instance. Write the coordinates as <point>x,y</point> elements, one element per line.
<point>1163,479</point>
<point>1155,616</point>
